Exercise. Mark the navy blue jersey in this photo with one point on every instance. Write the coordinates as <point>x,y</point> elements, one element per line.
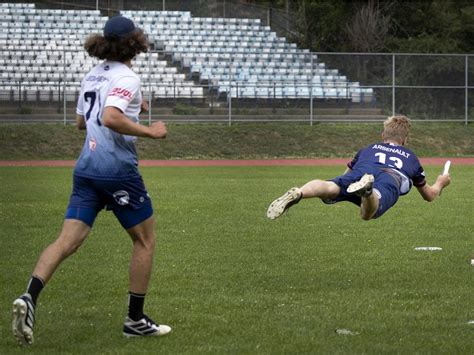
<point>394,158</point>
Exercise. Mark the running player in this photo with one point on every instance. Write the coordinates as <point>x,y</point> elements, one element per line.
<point>106,176</point>
<point>373,180</point>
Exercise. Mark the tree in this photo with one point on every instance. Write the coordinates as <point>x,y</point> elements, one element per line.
<point>432,26</point>
<point>320,24</point>
<point>369,27</point>
<point>374,25</point>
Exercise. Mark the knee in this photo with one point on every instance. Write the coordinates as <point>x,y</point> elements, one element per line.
<point>366,216</point>
<point>333,189</point>
<point>68,243</point>
<point>145,241</point>
<point>321,189</point>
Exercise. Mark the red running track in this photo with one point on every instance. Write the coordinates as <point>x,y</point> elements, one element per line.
<point>263,162</point>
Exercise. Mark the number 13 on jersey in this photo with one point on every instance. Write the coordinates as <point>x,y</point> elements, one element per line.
<point>394,162</point>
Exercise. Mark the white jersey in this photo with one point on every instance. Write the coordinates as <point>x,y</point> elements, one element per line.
<point>107,154</point>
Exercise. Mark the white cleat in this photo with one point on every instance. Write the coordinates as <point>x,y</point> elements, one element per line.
<point>23,319</point>
<point>363,187</point>
<point>282,203</point>
<point>144,327</point>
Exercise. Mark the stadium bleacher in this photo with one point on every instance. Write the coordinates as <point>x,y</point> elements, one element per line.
<point>41,54</point>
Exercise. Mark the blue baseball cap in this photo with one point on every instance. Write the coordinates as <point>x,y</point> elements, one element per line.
<point>118,27</point>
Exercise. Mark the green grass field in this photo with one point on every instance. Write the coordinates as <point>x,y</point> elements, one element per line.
<point>230,281</point>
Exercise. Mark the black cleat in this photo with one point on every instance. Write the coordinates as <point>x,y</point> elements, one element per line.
<point>144,327</point>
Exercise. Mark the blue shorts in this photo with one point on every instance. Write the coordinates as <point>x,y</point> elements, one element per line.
<point>128,199</point>
<point>386,187</point>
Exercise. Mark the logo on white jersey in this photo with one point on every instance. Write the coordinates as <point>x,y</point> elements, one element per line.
<point>122,93</point>
<point>121,197</point>
<point>92,144</point>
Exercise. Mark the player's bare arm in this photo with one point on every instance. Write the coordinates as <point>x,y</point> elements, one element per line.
<point>114,119</point>
<point>80,122</point>
<point>431,192</point>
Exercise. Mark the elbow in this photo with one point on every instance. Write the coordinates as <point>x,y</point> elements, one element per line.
<point>107,121</point>
<point>429,193</point>
<point>80,125</point>
<point>111,117</point>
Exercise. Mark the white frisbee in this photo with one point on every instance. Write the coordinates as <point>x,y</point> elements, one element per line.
<point>345,332</point>
<point>447,165</point>
<point>428,248</point>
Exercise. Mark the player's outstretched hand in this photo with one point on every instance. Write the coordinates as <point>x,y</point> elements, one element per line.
<point>443,180</point>
<point>158,130</point>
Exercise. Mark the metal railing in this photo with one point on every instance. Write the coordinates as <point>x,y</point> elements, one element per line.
<point>426,87</point>
<point>432,73</point>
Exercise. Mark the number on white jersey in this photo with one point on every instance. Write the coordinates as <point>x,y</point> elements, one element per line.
<point>90,98</point>
<point>397,163</point>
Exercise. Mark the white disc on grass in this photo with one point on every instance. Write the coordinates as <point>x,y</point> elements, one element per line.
<point>428,248</point>
<point>346,332</point>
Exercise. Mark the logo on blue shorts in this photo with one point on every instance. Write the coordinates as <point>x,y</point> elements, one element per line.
<point>121,197</point>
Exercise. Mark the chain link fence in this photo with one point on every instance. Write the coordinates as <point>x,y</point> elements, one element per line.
<point>423,86</point>
<point>426,87</point>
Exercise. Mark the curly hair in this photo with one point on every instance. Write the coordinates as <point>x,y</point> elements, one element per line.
<point>117,49</point>
<point>396,128</point>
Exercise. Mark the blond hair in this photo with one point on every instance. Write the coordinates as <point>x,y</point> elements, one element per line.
<point>396,128</point>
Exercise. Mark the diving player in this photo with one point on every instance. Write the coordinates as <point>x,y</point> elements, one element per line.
<point>373,180</point>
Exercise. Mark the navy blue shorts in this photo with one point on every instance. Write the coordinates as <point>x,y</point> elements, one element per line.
<point>128,199</point>
<point>385,187</point>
